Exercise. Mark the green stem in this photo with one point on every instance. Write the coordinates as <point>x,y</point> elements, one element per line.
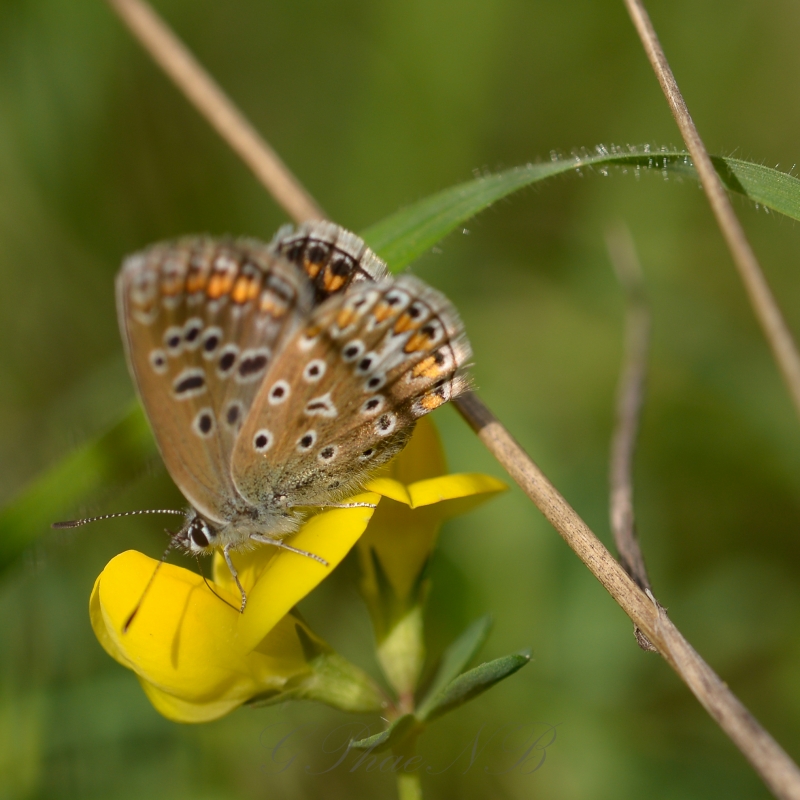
<point>409,786</point>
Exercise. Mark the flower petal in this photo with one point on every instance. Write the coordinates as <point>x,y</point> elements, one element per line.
<point>391,488</point>
<point>443,488</point>
<point>284,578</point>
<point>182,642</point>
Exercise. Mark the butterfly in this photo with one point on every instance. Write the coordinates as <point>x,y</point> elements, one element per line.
<point>277,377</point>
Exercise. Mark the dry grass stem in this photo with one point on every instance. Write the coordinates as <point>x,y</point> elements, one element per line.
<point>213,104</point>
<point>630,397</point>
<point>763,302</point>
<point>762,751</point>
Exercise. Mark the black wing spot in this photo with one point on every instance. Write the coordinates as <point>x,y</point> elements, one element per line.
<point>193,331</point>
<point>262,441</point>
<point>211,343</point>
<point>232,415</point>
<point>250,365</point>
<point>226,360</point>
<point>317,253</point>
<point>190,383</point>
<point>342,265</point>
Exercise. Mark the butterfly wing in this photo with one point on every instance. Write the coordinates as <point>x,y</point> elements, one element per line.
<point>202,320</point>
<point>343,395</point>
<point>332,257</point>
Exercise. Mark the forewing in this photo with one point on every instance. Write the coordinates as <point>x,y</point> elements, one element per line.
<point>342,397</point>
<point>202,321</point>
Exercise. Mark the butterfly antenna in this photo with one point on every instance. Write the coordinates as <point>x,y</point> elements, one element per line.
<point>172,542</point>
<point>210,588</point>
<point>77,523</point>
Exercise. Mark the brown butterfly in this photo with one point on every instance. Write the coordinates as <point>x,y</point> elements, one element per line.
<point>277,377</point>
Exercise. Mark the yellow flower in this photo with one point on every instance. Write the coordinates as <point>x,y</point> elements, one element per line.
<point>197,657</point>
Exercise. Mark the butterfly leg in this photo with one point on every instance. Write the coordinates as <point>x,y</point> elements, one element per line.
<point>226,551</point>
<point>340,505</point>
<point>278,543</point>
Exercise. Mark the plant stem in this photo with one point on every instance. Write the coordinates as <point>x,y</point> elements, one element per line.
<point>409,786</point>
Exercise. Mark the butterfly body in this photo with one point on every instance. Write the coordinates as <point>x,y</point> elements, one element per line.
<point>277,376</point>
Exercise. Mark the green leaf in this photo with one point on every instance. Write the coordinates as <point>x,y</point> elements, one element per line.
<point>470,684</point>
<point>392,736</point>
<point>404,236</point>
<point>456,657</point>
<point>114,458</point>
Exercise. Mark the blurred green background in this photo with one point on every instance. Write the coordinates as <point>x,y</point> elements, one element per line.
<point>376,105</point>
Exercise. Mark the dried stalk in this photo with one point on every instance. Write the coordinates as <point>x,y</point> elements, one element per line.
<point>630,398</point>
<point>759,748</point>
<point>761,298</point>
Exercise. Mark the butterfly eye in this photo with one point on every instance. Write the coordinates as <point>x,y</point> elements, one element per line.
<point>200,535</point>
